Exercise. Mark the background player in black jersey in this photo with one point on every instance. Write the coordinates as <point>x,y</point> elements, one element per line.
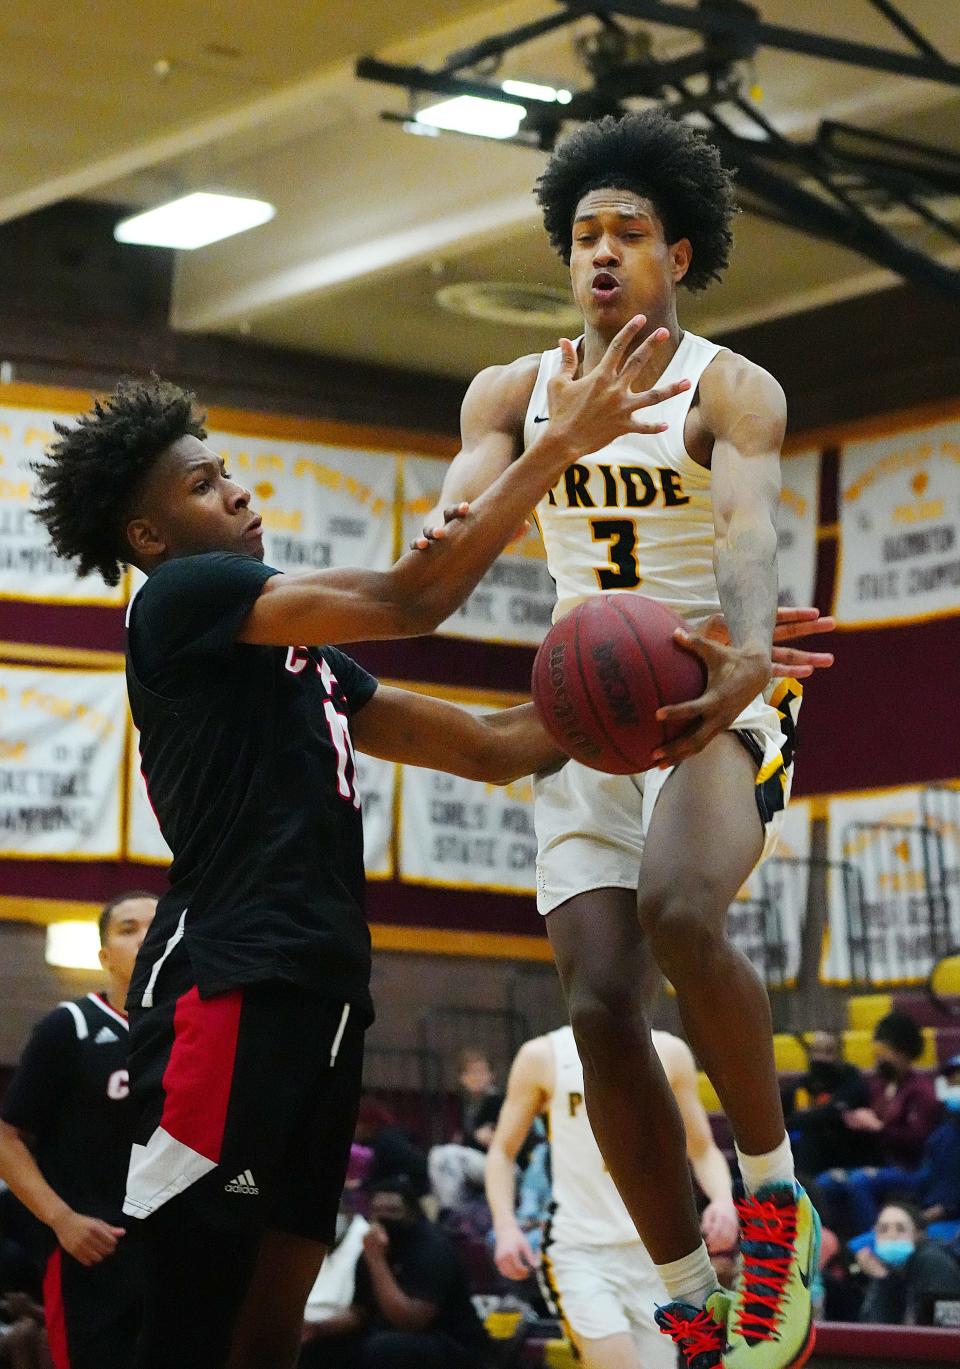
<point>250,997</point>
<point>64,1147</point>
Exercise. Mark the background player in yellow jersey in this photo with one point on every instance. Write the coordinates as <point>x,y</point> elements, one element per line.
<point>596,1268</point>
<point>687,515</point>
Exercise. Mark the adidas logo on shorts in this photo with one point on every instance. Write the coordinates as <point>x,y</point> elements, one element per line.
<point>243,1183</point>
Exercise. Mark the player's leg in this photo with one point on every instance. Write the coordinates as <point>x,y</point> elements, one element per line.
<point>704,837</point>
<point>607,976</point>
<point>270,1320</point>
<point>611,1352</point>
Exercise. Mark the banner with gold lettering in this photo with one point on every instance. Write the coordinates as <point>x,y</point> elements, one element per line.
<point>321,506</point>
<point>899,528</point>
<point>797,528</point>
<point>514,600</point>
<point>62,737</point>
<point>29,567</point>
<point>894,887</point>
<point>465,834</point>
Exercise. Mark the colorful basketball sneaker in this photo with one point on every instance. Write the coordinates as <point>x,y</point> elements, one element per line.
<point>771,1319</point>
<point>698,1332</point>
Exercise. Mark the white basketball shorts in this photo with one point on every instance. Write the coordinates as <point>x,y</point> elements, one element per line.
<point>591,826</point>
<point>606,1290</point>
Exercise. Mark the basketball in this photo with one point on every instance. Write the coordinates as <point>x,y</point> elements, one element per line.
<point>602,672</point>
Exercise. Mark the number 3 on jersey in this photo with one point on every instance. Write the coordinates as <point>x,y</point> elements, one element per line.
<point>623,571</point>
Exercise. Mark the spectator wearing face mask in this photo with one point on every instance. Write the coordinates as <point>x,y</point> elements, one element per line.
<point>893,1129</point>
<point>816,1107</point>
<point>904,1270</point>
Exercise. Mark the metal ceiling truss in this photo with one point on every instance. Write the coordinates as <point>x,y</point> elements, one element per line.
<point>844,185</point>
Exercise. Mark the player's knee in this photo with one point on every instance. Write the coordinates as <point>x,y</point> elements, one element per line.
<point>605,1017</point>
<point>684,935</point>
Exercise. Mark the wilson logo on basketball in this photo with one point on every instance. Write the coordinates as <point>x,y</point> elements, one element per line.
<point>575,740</point>
<point>615,686</point>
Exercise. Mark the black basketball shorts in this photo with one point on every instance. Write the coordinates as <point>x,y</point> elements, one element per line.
<point>245,1102</point>
<point>93,1314</point>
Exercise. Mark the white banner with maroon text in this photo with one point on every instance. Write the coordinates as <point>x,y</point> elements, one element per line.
<point>62,736</point>
<point>894,885</point>
<point>797,528</point>
<point>899,528</point>
<point>514,600</point>
<point>29,567</point>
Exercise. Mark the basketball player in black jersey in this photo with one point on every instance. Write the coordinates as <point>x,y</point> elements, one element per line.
<point>250,996</point>
<point>64,1148</point>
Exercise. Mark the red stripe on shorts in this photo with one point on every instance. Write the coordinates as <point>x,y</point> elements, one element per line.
<point>54,1313</point>
<point>199,1073</point>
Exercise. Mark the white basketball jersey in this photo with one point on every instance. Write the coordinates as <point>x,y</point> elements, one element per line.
<point>588,1208</point>
<point>635,515</point>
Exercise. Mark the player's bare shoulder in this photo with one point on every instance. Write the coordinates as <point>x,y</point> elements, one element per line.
<point>734,395</point>
<point>498,396</point>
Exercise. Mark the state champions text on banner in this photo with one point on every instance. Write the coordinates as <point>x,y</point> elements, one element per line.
<point>899,533</point>
<point>62,741</point>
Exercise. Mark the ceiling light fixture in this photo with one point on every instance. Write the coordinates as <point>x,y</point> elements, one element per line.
<point>194,221</point>
<point>73,945</point>
<point>470,114</point>
<point>529,90</point>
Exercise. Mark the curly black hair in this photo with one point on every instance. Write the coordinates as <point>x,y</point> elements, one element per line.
<point>667,162</point>
<point>88,479</point>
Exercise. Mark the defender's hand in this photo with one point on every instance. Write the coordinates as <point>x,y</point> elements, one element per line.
<point>791,623</point>
<point>734,677</point>
<point>375,1241</point>
<point>87,1239</point>
<point>589,413</point>
<point>513,1255</point>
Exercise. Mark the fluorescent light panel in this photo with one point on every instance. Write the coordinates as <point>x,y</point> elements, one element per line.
<point>74,945</point>
<point>529,90</point>
<point>194,221</point>
<point>470,114</point>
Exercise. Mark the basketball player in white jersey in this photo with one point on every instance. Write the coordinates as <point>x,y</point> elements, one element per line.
<point>634,867</point>
<point>596,1268</point>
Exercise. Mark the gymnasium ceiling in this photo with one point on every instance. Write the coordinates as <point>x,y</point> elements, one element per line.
<point>133,104</point>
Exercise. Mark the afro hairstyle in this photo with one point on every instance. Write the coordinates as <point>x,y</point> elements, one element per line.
<point>89,477</point>
<point>666,162</point>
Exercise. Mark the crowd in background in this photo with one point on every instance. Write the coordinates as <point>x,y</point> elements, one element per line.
<point>879,1152</point>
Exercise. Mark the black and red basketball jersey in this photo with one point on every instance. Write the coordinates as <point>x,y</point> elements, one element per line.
<point>70,1093</point>
<point>248,762</point>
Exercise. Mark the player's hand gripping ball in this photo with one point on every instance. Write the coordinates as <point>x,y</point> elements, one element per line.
<point>601,674</point>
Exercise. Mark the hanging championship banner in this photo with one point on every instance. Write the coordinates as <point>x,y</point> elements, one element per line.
<point>893,889</point>
<point>899,528</point>
<point>514,601</point>
<point>321,506</point>
<point>797,528</point>
<point>29,567</point>
<point>144,841</point>
<point>766,922</point>
<point>61,763</point>
<point>464,834</point>
<point>376,784</point>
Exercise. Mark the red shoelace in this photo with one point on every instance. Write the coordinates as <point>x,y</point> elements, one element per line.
<point>695,1336</point>
<point>763,1276</point>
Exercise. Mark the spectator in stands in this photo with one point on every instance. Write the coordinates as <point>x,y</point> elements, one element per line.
<point>816,1106</point>
<point>329,1309</point>
<point>902,1113</point>
<point>904,1270</point>
<point>393,1150</point>
<point>411,1302</point>
<point>23,1342</point>
<point>455,1167</point>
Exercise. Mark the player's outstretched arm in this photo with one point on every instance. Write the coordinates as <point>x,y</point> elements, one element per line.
<point>417,729</point>
<point>420,591</point>
<point>529,1089</point>
<point>744,409</point>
